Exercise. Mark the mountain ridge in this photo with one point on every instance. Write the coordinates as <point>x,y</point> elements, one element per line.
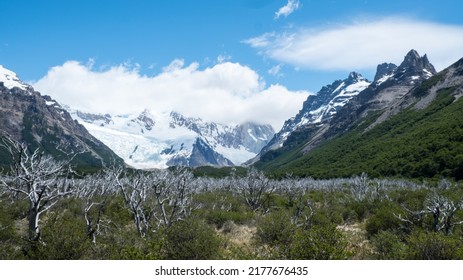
<point>385,128</point>
<point>27,116</point>
<point>159,140</point>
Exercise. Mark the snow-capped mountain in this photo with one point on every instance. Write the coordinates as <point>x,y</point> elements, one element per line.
<point>11,80</point>
<point>319,108</point>
<point>389,94</point>
<point>159,140</point>
<point>38,121</point>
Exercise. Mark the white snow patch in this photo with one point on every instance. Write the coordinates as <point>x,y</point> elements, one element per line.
<point>252,135</point>
<point>10,79</point>
<point>383,79</point>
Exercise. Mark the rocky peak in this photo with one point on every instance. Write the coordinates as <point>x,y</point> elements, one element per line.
<point>319,109</point>
<point>100,119</point>
<point>354,77</point>
<point>384,69</point>
<point>147,120</point>
<point>11,80</point>
<point>414,62</point>
<point>40,122</point>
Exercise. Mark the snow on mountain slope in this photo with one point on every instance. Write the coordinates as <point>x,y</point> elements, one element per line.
<point>319,108</point>
<point>11,80</point>
<point>159,140</point>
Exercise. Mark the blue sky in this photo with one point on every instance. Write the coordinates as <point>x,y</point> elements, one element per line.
<point>278,51</point>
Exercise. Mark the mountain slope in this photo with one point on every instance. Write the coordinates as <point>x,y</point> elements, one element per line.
<point>319,109</point>
<point>40,122</point>
<point>159,140</point>
<point>416,134</point>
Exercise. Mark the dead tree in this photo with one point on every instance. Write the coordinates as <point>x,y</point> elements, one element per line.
<point>134,189</point>
<point>38,178</point>
<point>94,191</point>
<point>442,210</point>
<point>174,195</point>
<point>255,189</point>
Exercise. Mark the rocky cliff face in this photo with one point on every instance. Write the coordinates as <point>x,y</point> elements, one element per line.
<point>320,108</point>
<point>391,86</point>
<point>40,122</point>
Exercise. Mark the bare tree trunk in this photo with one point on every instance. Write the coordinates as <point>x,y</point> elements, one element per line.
<point>34,217</point>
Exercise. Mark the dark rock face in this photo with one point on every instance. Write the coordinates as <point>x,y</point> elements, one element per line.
<point>320,108</point>
<point>389,89</point>
<point>40,122</point>
<point>384,69</point>
<point>202,155</point>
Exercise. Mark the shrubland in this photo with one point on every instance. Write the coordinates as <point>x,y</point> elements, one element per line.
<point>172,214</point>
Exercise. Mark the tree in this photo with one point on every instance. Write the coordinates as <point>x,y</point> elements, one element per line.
<point>38,178</point>
<point>255,189</point>
<point>174,195</point>
<point>95,190</point>
<point>134,188</point>
<point>442,210</point>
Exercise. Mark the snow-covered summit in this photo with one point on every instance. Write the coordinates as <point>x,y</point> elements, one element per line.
<point>11,80</point>
<point>163,139</point>
<point>318,109</point>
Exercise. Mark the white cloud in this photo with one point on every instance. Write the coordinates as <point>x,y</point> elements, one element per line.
<point>226,92</point>
<point>362,45</point>
<point>287,9</point>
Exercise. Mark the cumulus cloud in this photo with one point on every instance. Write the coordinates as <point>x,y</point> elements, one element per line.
<point>287,9</point>
<point>362,45</point>
<point>226,92</point>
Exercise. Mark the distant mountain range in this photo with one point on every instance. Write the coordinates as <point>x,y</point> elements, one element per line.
<point>406,122</point>
<point>145,140</point>
<point>160,140</point>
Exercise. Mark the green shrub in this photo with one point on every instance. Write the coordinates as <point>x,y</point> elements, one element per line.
<point>191,240</point>
<point>219,217</point>
<point>388,246</point>
<point>275,229</point>
<point>319,243</point>
<point>433,246</point>
<point>384,219</point>
<point>63,237</point>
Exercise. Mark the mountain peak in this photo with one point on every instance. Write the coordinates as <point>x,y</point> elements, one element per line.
<point>413,61</point>
<point>384,69</point>
<point>10,79</point>
<point>354,76</point>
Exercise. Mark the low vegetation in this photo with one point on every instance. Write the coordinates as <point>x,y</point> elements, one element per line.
<point>173,215</point>
<point>49,211</point>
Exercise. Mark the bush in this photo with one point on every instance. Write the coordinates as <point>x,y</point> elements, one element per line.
<point>319,243</point>
<point>388,246</point>
<point>433,246</point>
<point>383,219</point>
<point>191,240</point>
<point>220,217</point>
<point>275,229</point>
<point>63,237</point>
